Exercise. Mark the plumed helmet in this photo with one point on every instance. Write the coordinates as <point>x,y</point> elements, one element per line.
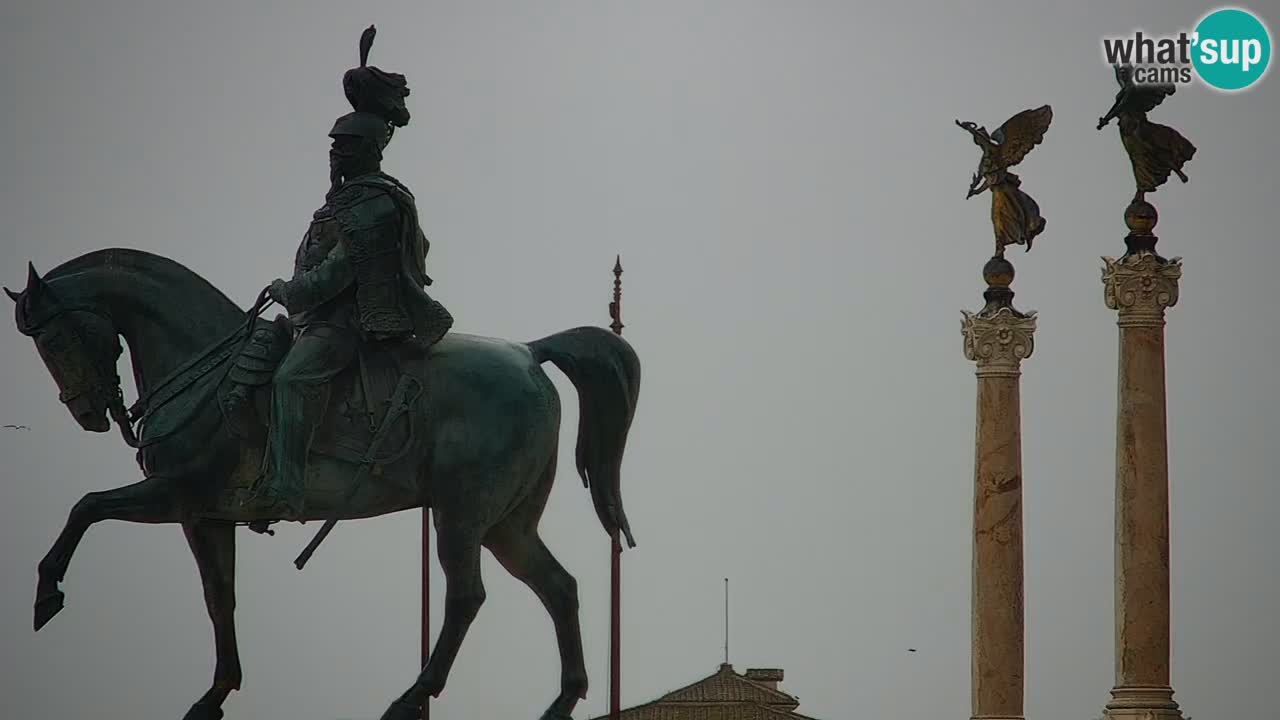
<point>376,96</point>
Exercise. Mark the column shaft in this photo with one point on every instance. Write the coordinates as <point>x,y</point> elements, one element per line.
<point>1142,512</point>
<point>997,661</point>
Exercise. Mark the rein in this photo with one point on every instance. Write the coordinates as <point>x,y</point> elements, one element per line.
<point>166,390</point>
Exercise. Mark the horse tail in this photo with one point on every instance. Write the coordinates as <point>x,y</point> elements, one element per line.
<point>606,373</point>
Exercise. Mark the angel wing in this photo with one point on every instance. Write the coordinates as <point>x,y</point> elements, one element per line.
<point>1139,98</point>
<point>1019,134</point>
<point>1144,98</point>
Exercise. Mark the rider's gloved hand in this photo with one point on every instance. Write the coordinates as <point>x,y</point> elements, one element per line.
<point>278,292</point>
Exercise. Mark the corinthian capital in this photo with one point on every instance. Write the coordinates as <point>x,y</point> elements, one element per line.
<point>998,341</point>
<point>1140,286</point>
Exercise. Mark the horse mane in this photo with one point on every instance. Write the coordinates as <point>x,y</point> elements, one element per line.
<point>161,269</point>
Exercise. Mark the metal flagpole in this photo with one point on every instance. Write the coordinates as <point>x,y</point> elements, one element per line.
<point>615,550</point>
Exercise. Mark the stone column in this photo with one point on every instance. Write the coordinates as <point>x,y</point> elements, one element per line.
<point>1140,285</point>
<point>998,338</point>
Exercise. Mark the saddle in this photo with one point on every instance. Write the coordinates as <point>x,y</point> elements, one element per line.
<point>359,397</point>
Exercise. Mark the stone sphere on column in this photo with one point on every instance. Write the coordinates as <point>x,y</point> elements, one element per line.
<point>1141,217</point>
<point>998,272</point>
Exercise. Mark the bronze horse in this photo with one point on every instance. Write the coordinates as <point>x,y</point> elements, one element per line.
<point>484,464</point>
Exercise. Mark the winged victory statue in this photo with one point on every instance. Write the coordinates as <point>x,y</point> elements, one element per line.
<point>1015,216</point>
<point>1155,150</point>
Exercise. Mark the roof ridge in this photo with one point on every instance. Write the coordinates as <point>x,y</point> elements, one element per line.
<point>682,688</point>
<point>773,703</point>
<point>695,683</point>
<point>766,688</point>
<point>726,675</point>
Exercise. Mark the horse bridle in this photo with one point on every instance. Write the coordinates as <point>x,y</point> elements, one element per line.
<point>126,418</point>
<point>100,374</point>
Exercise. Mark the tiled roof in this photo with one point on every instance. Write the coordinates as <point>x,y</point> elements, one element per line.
<point>725,695</point>
<point>728,686</point>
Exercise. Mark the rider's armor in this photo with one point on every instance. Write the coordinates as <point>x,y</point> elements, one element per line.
<point>366,216</point>
<point>313,264</point>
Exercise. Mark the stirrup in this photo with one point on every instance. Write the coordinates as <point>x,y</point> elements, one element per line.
<point>263,527</point>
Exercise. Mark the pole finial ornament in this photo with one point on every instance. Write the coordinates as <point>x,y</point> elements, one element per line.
<point>615,307</point>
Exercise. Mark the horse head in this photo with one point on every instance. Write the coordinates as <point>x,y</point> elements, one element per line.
<point>79,346</point>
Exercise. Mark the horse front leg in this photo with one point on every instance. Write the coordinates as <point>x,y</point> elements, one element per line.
<point>214,546</point>
<point>150,501</point>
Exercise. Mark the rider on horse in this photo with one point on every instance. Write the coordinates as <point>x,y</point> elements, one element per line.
<point>359,278</point>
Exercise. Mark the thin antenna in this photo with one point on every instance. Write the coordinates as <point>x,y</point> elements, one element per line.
<point>726,621</point>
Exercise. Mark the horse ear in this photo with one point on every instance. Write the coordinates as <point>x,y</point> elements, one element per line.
<point>12,295</point>
<point>35,284</point>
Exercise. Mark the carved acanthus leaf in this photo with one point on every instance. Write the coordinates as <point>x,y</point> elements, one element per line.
<point>998,341</point>
<point>1141,286</point>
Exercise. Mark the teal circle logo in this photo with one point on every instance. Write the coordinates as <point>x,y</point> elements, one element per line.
<point>1231,49</point>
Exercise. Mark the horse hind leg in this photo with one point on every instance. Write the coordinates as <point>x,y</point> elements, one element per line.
<point>516,544</point>
<point>214,546</point>
<point>527,558</point>
<point>458,548</point>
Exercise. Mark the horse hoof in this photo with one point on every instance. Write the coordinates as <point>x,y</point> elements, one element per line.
<point>47,606</point>
<point>555,715</point>
<point>401,710</point>
<point>203,711</point>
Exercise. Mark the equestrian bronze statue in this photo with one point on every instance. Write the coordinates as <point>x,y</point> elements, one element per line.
<point>359,403</point>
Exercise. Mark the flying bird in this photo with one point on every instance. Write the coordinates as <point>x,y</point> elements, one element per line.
<point>16,427</point>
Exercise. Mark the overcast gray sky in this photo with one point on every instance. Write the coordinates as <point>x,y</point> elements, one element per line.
<point>786,186</point>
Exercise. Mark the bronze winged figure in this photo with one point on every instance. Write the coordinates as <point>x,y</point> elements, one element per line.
<point>1155,150</point>
<point>1015,217</point>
